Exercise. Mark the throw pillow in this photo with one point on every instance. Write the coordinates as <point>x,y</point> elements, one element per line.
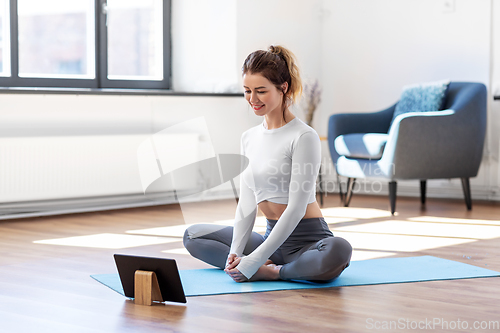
<point>422,97</point>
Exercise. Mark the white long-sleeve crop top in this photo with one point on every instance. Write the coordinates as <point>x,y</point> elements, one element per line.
<point>283,167</point>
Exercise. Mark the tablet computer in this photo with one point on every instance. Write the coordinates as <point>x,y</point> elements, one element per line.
<point>165,269</point>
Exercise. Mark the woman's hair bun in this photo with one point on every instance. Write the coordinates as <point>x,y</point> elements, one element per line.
<point>274,49</point>
<point>278,65</point>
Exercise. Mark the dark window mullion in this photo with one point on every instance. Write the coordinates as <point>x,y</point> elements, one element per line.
<point>14,43</point>
<point>167,43</point>
<point>49,82</point>
<point>101,42</point>
<point>13,80</point>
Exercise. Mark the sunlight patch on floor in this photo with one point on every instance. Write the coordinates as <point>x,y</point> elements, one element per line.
<point>178,230</point>
<point>397,243</point>
<point>260,221</point>
<point>426,229</point>
<point>355,213</point>
<point>436,219</point>
<point>172,231</point>
<point>108,241</point>
<point>409,235</point>
<point>180,250</point>
<point>334,220</point>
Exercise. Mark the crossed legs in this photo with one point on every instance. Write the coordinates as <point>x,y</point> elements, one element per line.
<point>319,261</point>
<point>211,243</point>
<point>323,260</point>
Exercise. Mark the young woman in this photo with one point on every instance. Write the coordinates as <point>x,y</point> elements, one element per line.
<point>284,157</point>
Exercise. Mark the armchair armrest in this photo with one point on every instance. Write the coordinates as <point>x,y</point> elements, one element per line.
<point>347,123</point>
<point>430,145</point>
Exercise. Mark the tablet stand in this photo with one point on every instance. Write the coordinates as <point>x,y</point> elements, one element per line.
<point>146,288</point>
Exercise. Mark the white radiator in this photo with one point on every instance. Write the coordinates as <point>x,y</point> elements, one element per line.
<point>45,168</point>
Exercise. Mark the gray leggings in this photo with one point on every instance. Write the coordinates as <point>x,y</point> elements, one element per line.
<point>311,252</point>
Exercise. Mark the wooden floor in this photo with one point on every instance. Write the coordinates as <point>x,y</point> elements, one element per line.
<point>47,287</point>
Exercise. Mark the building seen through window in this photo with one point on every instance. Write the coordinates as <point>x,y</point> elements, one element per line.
<point>4,38</point>
<point>56,38</point>
<point>135,39</point>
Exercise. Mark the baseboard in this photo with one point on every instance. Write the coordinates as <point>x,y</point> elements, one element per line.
<point>441,189</point>
<point>17,210</point>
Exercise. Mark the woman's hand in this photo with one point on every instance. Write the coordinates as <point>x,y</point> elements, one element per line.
<point>231,269</point>
<point>230,258</point>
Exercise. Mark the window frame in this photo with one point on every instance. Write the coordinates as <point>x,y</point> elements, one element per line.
<point>100,80</point>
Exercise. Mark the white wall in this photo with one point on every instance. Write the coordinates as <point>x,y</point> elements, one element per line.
<point>204,46</point>
<point>295,24</point>
<point>494,115</point>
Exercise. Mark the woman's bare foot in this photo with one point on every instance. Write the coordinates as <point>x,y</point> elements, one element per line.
<point>267,273</point>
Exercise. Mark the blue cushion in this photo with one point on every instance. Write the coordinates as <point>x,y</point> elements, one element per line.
<point>422,97</point>
<point>361,145</point>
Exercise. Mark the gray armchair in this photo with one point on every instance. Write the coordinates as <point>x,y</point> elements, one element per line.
<point>417,145</point>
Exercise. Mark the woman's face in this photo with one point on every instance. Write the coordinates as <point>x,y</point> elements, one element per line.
<point>262,95</point>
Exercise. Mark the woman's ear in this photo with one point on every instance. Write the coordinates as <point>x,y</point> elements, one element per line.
<point>284,87</point>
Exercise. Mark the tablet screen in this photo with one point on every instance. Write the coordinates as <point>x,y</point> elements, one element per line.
<point>165,269</point>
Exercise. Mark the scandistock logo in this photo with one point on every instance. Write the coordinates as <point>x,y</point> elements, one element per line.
<point>179,163</point>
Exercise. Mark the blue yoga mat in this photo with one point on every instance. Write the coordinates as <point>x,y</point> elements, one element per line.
<point>213,281</point>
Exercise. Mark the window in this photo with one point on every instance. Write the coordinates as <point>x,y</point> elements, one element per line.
<point>56,39</point>
<point>4,39</point>
<point>85,43</point>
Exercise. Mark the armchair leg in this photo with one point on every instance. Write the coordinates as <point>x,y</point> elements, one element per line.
<point>348,195</point>
<point>423,187</point>
<point>392,195</point>
<point>341,192</point>
<point>466,188</point>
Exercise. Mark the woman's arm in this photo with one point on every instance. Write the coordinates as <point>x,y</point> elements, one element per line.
<point>306,159</point>
<point>246,212</point>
